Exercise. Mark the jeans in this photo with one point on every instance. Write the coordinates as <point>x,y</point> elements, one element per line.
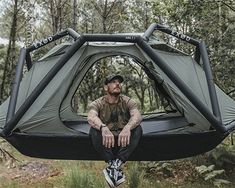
<point>117,152</point>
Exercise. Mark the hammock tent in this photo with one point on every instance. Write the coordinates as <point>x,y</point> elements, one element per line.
<point>38,120</point>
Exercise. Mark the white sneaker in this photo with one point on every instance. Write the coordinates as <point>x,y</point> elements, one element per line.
<point>119,177</point>
<point>109,176</point>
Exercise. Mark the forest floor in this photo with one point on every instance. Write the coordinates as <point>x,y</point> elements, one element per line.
<point>30,172</point>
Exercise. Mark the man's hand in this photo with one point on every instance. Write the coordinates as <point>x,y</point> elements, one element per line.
<point>124,137</point>
<point>108,137</point>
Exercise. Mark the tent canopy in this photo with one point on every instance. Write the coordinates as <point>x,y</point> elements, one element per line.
<point>43,116</point>
<point>41,103</point>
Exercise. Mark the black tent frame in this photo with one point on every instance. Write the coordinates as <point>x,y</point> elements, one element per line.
<point>142,41</point>
<point>154,146</point>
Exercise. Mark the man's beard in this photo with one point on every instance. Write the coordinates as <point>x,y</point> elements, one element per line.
<point>114,93</point>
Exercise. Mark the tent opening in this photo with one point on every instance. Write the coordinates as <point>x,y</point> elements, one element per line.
<point>136,85</point>
<point>158,110</point>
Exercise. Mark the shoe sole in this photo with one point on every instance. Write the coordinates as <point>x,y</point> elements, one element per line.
<point>120,181</point>
<point>109,181</point>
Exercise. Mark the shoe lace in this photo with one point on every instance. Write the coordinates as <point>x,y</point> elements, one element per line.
<point>117,173</point>
<point>116,164</point>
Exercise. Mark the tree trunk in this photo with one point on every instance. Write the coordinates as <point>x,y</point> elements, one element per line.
<point>53,18</point>
<point>104,17</point>
<point>59,10</point>
<point>10,56</point>
<point>75,15</point>
<point>150,94</point>
<point>9,64</point>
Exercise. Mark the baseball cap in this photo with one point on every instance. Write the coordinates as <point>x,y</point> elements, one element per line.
<point>111,77</point>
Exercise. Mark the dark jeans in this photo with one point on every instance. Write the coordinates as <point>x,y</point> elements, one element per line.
<point>119,152</point>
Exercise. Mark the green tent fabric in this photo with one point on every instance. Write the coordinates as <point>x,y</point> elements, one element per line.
<point>53,106</point>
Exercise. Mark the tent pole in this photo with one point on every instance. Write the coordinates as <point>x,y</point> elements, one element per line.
<point>73,33</point>
<point>197,55</point>
<point>55,37</point>
<point>28,60</point>
<point>169,31</point>
<point>150,31</point>
<point>15,85</point>
<point>111,38</point>
<point>2,135</point>
<point>46,41</point>
<point>231,127</point>
<point>216,123</point>
<point>10,125</point>
<point>176,34</point>
<point>210,82</point>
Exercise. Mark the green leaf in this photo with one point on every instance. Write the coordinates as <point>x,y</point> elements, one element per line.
<point>221,182</point>
<point>204,169</point>
<point>213,174</point>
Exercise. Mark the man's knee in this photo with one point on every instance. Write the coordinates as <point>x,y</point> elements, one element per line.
<point>137,132</point>
<point>135,136</point>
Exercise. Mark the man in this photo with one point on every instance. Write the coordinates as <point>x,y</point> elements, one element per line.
<point>115,130</point>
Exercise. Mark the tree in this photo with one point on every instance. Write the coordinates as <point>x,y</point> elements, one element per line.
<point>211,21</point>
<point>75,20</point>
<point>11,54</point>
<point>102,16</point>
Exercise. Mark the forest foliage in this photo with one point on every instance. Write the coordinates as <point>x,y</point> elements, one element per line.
<point>213,21</point>
<point>24,22</point>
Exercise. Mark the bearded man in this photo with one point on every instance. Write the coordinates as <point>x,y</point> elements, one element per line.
<point>115,130</point>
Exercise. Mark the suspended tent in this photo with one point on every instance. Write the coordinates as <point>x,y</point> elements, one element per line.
<point>38,120</point>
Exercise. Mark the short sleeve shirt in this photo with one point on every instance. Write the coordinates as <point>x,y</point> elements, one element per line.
<point>116,115</point>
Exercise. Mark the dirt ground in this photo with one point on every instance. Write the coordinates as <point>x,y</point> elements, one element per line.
<point>29,172</point>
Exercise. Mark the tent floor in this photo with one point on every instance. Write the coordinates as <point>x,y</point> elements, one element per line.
<point>152,123</point>
<point>152,147</point>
